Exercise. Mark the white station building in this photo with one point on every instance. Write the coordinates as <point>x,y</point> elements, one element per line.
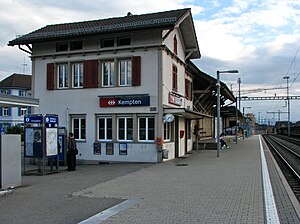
<point>121,85</point>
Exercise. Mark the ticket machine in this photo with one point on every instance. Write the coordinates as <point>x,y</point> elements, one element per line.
<point>41,141</point>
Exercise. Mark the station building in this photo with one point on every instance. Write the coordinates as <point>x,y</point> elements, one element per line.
<point>123,86</point>
<point>16,89</point>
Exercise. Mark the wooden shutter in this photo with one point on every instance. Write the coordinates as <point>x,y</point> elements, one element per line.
<point>174,78</point>
<point>136,71</point>
<point>188,89</point>
<point>50,76</point>
<point>90,74</point>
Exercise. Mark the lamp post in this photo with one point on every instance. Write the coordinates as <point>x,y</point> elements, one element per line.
<point>219,107</point>
<point>288,102</point>
<point>244,120</point>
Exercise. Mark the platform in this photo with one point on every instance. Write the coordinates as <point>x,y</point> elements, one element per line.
<point>197,188</point>
<point>203,188</point>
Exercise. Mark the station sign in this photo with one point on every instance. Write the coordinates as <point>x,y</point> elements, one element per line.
<point>125,101</point>
<point>175,99</point>
<point>51,119</point>
<point>37,119</point>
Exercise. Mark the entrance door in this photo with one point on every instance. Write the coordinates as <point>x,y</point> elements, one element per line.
<point>177,140</point>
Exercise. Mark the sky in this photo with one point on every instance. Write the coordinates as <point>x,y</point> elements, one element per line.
<point>259,38</point>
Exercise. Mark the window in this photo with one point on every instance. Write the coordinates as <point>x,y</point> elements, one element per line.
<point>23,111</point>
<point>146,129</point>
<point>175,45</point>
<point>5,92</point>
<point>79,128</point>
<point>62,47</point>
<point>125,75</point>
<point>174,78</point>
<point>75,45</point>
<point>188,89</point>
<point>123,41</point>
<point>5,111</point>
<point>104,128</point>
<point>107,42</point>
<point>77,74</point>
<point>108,72</point>
<point>62,76</point>
<point>125,128</point>
<point>22,93</point>
<point>167,131</point>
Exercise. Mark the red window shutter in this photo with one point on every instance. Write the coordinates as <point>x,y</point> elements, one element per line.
<point>174,81</point>
<point>188,89</point>
<point>50,76</point>
<point>90,76</point>
<point>136,71</point>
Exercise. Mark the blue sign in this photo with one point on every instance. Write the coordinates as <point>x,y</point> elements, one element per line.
<point>51,119</point>
<point>38,119</point>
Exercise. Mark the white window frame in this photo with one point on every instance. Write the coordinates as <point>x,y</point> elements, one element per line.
<point>80,130</point>
<point>125,129</point>
<point>5,111</point>
<point>77,75</point>
<point>64,69</point>
<point>127,72</point>
<point>147,130</point>
<point>167,131</point>
<point>110,73</point>
<point>22,93</point>
<point>23,111</point>
<point>105,129</point>
<point>5,92</point>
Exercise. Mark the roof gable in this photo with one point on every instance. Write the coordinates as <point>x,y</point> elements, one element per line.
<point>168,19</point>
<point>16,81</point>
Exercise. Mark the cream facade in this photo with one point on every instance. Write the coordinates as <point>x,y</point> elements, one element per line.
<point>126,95</point>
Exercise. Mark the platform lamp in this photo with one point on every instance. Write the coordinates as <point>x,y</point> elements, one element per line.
<point>219,107</point>
<point>244,120</point>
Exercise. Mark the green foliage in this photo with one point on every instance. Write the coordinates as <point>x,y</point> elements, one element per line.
<point>14,130</point>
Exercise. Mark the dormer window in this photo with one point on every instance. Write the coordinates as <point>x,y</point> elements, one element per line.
<point>75,45</point>
<point>175,45</point>
<point>62,47</point>
<point>109,42</point>
<point>123,41</point>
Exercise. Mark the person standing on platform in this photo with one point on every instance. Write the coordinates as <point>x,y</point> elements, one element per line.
<point>71,153</point>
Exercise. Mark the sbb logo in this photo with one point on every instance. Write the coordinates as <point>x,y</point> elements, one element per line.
<point>111,102</point>
<point>108,102</point>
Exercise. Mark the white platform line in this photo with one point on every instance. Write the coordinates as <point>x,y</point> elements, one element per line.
<point>270,205</point>
<point>98,218</point>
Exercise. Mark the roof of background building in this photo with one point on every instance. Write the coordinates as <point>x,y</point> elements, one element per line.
<point>16,81</point>
<point>130,22</point>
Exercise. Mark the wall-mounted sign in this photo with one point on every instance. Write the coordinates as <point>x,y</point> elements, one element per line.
<point>125,101</point>
<point>175,99</point>
<point>33,119</point>
<point>51,119</point>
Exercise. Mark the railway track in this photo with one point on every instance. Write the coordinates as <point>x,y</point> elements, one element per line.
<point>287,155</point>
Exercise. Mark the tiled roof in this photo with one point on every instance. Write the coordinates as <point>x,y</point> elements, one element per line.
<point>16,81</point>
<point>111,25</point>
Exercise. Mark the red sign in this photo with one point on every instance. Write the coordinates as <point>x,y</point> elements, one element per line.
<point>125,101</point>
<point>108,102</point>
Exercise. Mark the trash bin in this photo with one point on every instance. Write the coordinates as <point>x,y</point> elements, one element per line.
<point>165,153</point>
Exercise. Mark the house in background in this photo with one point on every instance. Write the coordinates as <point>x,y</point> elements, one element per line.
<point>15,85</point>
<point>121,85</point>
